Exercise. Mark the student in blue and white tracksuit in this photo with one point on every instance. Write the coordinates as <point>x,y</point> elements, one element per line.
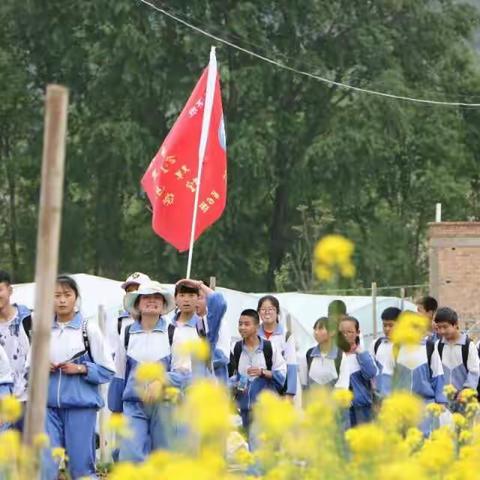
<point>458,354</point>
<point>219,340</point>
<point>190,326</point>
<point>414,368</point>
<point>321,363</point>
<point>146,340</point>
<point>357,370</point>
<point>256,365</point>
<point>80,360</point>
<point>269,310</point>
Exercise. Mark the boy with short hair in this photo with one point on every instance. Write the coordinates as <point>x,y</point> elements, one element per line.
<point>458,353</point>
<point>255,365</point>
<point>15,333</point>
<point>383,353</point>
<point>427,306</point>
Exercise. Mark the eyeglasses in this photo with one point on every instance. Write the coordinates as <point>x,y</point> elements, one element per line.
<point>267,310</point>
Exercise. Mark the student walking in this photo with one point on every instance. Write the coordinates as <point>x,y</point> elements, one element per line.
<point>80,360</point>
<point>270,329</point>
<point>255,365</point>
<point>148,339</point>
<point>15,336</point>
<point>458,354</point>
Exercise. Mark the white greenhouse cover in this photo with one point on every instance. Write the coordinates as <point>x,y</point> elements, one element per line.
<point>303,308</point>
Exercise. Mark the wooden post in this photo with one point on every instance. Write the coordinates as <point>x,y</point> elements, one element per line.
<point>374,309</point>
<point>48,239</point>
<point>213,282</point>
<point>103,392</point>
<point>402,298</point>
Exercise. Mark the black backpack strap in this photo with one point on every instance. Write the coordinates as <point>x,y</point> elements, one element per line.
<point>268,353</point>
<point>377,344</point>
<point>86,341</point>
<point>126,338</point>
<point>171,333</point>
<point>27,326</point>
<point>309,358</point>
<point>465,349</point>
<point>440,348</point>
<point>235,358</point>
<point>288,335</point>
<point>119,324</point>
<point>201,330</point>
<point>430,346</point>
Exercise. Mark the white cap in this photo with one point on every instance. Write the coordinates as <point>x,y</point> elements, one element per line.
<point>136,278</point>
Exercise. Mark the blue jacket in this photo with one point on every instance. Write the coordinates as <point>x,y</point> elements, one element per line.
<point>67,345</point>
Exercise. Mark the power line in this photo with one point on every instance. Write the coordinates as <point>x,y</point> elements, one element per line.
<point>308,74</point>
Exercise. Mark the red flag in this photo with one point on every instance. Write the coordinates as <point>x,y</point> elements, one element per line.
<point>170,181</point>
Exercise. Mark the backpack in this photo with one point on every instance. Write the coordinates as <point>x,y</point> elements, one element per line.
<point>430,346</point>
<point>86,343</point>
<point>465,348</point>
<point>338,359</point>
<point>237,352</point>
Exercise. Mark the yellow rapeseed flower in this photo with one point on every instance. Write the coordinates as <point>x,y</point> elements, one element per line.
<point>472,409</point>
<point>274,415</point>
<point>323,272</point>
<point>334,250</point>
<point>198,348</point>
<point>149,372</point>
<point>118,424</point>
<point>449,391</point>
<point>10,409</point>
<point>343,397</point>
<point>206,409</point>
<point>401,410</point>
<point>58,454</point>
<point>171,394</point>
<point>409,329</point>
<point>401,471</point>
<point>413,439</point>
<point>465,436</point>
<point>459,420</point>
<point>438,451</point>
<point>41,440</point>
<point>434,409</point>
<point>366,441</point>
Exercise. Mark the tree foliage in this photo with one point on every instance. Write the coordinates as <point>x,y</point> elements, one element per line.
<point>305,158</point>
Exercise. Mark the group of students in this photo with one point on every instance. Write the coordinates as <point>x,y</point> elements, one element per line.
<point>446,356</point>
<point>155,326</point>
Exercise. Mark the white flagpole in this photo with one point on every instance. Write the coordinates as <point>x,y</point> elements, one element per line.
<point>207,114</point>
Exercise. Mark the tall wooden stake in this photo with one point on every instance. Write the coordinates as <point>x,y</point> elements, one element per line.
<point>48,239</point>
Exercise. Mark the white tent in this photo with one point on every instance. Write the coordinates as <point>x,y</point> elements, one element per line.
<point>303,308</point>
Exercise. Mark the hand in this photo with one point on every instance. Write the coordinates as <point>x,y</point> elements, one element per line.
<point>254,371</point>
<point>53,367</point>
<point>153,392</point>
<point>190,282</point>
<point>72,369</point>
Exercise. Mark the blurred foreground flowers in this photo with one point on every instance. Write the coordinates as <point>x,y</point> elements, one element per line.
<point>333,257</point>
<point>311,443</point>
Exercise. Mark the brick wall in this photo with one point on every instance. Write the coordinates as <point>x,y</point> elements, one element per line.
<point>454,255</point>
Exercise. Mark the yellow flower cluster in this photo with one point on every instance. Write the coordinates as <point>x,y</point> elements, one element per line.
<point>198,349</point>
<point>311,443</point>
<point>410,329</point>
<point>10,409</point>
<point>333,253</point>
<point>118,424</point>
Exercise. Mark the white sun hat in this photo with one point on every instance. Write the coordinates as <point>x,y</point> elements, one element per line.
<point>137,278</point>
<point>148,288</point>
